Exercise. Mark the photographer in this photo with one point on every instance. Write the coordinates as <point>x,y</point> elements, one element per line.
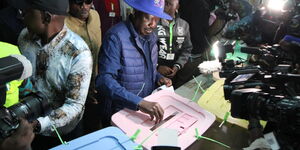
<point>62,67</point>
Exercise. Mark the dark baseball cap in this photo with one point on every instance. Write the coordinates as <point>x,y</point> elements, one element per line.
<point>57,7</point>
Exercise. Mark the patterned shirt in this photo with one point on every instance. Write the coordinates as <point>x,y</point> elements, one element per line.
<point>61,72</point>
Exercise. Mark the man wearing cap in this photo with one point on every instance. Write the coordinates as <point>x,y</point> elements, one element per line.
<point>128,61</point>
<point>62,67</point>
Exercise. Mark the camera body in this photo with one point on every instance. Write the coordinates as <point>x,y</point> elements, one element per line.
<point>30,108</point>
<point>254,103</point>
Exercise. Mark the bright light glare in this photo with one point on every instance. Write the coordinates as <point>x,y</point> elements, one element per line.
<point>276,4</point>
<point>216,50</point>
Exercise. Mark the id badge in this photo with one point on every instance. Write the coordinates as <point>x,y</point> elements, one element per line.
<point>170,56</point>
<point>112,14</point>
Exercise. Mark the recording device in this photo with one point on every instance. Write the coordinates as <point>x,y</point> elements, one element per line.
<point>267,89</point>
<point>263,95</point>
<point>13,67</point>
<point>274,51</point>
<point>272,97</point>
<point>30,108</point>
<point>17,67</point>
<point>254,103</point>
<point>271,58</point>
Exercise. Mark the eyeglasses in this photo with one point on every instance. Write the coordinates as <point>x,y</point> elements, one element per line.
<point>80,2</point>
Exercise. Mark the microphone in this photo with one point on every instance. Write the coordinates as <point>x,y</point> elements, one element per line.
<point>14,67</point>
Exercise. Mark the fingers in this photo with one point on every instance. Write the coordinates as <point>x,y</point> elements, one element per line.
<point>156,114</point>
<point>153,109</point>
<point>167,82</point>
<point>165,70</point>
<point>160,112</point>
<point>151,115</point>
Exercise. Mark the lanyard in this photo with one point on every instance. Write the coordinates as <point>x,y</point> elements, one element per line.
<point>171,35</point>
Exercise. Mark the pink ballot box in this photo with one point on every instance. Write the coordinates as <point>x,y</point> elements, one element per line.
<point>180,114</point>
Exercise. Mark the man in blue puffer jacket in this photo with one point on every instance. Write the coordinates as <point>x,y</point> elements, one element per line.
<point>128,61</point>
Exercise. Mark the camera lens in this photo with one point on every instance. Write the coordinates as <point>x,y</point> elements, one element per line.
<point>31,108</point>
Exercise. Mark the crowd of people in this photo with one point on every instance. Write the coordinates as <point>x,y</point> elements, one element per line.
<point>88,69</point>
<point>87,78</point>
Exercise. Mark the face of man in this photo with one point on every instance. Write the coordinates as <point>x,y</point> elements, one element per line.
<point>80,9</point>
<point>34,21</point>
<point>145,23</point>
<point>171,6</point>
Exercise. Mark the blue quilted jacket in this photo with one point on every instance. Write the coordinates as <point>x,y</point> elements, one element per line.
<point>122,64</point>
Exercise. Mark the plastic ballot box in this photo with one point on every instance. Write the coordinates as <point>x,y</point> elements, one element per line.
<point>110,138</point>
<point>180,114</point>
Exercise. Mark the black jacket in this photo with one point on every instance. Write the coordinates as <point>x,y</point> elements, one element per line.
<point>181,45</point>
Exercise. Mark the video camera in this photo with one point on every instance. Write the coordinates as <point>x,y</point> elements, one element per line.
<point>17,67</point>
<point>267,93</point>
<point>271,58</point>
<point>254,103</point>
<point>267,88</point>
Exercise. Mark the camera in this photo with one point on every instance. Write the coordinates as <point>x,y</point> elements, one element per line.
<point>267,87</point>
<point>30,108</point>
<point>17,67</point>
<point>271,58</point>
<point>267,94</point>
<point>254,103</point>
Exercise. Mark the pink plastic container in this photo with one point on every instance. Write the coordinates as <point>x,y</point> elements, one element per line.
<point>188,116</point>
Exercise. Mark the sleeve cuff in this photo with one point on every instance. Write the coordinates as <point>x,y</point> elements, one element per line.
<point>45,123</point>
<point>178,66</point>
<point>136,100</point>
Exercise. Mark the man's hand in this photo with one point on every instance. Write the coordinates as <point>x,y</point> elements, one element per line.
<point>174,71</point>
<point>165,70</point>
<point>21,139</point>
<point>165,81</point>
<point>153,109</point>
